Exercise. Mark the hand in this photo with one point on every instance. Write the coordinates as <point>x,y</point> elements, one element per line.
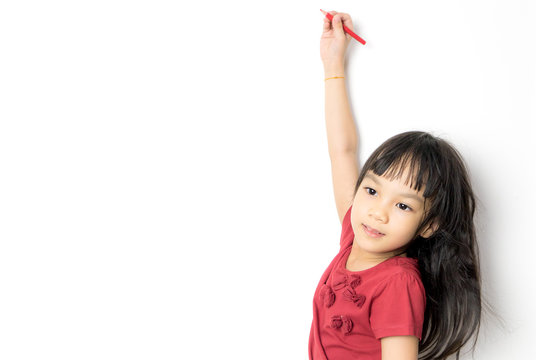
<point>334,40</point>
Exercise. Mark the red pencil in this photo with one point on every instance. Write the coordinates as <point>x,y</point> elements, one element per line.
<point>352,34</point>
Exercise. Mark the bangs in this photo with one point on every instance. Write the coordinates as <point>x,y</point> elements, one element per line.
<point>416,158</point>
<point>408,165</point>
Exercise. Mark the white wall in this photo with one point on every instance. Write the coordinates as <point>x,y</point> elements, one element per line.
<point>165,186</point>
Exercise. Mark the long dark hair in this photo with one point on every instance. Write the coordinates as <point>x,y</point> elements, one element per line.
<point>449,259</point>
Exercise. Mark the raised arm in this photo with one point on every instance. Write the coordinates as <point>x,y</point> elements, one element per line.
<point>340,126</point>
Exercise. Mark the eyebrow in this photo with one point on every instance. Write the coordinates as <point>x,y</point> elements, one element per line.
<point>408,195</point>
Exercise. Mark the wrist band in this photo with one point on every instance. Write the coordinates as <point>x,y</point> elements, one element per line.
<point>335,77</point>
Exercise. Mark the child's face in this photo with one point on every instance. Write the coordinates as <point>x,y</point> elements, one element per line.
<point>389,207</point>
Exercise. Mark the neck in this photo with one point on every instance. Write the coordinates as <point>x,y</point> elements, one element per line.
<point>358,255</point>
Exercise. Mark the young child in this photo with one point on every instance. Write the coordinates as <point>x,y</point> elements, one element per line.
<point>406,281</point>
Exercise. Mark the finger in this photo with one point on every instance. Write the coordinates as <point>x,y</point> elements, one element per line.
<point>327,26</point>
<point>337,26</point>
<point>326,12</point>
<point>345,17</point>
<point>333,12</point>
<point>327,23</point>
<point>347,20</point>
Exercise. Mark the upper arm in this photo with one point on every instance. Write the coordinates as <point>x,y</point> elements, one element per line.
<point>344,173</point>
<point>404,347</point>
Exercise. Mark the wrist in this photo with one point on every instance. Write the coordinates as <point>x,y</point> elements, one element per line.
<point>333,70</point>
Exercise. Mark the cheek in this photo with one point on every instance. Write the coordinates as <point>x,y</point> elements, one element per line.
<point>356,199</point>
<point>361,199</point>
<point>355,217</point>
<point>407,224</point>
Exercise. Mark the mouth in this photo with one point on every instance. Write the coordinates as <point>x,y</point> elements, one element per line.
<point>372,232</point>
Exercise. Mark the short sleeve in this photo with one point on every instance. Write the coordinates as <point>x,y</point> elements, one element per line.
<point>347,232</point>
<point>397,306</point>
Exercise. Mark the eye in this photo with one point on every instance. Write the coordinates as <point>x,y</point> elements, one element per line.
<point>404,207</point>
<point>370,191</point>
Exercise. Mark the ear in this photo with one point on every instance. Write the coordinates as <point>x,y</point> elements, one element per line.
<point>430,230</point>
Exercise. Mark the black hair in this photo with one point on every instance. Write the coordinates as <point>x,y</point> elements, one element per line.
<point>448,259</point>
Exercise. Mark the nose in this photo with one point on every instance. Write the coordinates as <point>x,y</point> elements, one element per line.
<point>379,214</point>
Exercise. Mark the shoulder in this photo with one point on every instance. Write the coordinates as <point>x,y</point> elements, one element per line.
<point>401,275</point>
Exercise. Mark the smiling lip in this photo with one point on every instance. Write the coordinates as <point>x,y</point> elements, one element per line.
<point>372,232</point>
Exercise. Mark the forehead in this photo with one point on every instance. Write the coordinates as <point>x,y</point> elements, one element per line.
<point>409,168</point>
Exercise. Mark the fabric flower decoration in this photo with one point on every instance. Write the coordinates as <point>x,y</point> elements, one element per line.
<point>347,325</point>
<point>355,280</point>
<point>341,279</point>
<point>350,295</point>
<point>336,322</point>
<point>342,321</point>
<point>327,295</point>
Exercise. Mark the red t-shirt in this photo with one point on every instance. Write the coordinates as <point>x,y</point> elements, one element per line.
<point>352,310</point>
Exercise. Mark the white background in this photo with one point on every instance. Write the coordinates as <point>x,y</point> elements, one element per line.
<point>165,185</point>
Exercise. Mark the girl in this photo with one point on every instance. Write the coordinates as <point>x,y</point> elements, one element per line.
<point>406,281</point>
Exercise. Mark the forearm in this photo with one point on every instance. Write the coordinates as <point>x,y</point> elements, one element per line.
<point>340,126</point>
